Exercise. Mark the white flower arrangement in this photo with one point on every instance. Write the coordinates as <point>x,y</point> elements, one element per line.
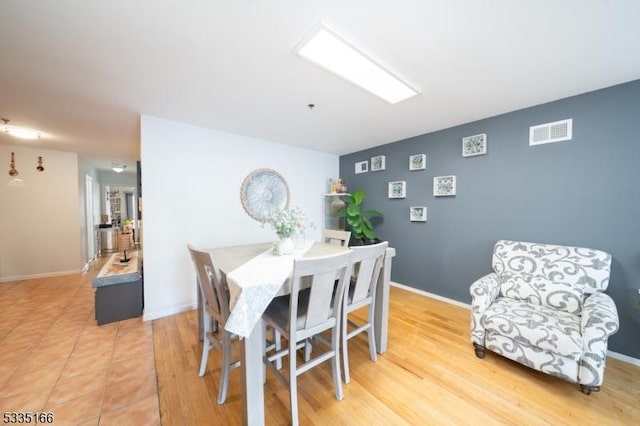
<point>287,222</point>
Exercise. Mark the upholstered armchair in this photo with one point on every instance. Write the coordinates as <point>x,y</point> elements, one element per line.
<point>544,307</point>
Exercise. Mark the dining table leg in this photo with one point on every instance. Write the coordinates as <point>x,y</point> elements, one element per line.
<point>251,377</point>
<point>381,317</point>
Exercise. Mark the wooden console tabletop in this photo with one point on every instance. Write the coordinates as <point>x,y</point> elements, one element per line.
<point>116,272</point>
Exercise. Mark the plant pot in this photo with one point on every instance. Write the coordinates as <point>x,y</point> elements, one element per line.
<point>366,242</point>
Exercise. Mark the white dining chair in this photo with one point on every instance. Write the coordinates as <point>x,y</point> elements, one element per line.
<point>367,263</point>
<point>334,236</point>
<point>306,314</point>
<point>215,308</point>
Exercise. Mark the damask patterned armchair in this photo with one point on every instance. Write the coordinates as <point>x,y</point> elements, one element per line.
<point>544,307</point>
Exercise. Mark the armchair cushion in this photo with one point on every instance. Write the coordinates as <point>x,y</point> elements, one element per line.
<point>534,325</point>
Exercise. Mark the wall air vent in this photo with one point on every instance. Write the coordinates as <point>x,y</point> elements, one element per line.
<point>551,132</point>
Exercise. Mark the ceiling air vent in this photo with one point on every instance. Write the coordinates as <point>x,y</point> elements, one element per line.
<point>551,132</point>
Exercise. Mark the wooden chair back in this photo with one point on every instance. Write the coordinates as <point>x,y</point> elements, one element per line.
<point>324,304</point>
<point>367,261</point>
<point>216,300</point>
<point>334,236</point>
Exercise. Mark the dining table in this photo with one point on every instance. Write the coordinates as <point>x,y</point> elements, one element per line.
<point>254,276</point>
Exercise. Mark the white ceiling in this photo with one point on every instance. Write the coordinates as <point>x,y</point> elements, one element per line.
<point>82,71</point>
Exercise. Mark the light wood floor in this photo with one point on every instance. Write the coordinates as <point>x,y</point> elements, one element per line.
<point>429,375</point>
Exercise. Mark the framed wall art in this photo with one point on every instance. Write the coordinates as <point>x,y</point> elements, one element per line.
<point>377,163</point>
<point>362,167</point>
<point>264,192</point>
<point>474,145</point>
<point>417,162</point>
<point>418,214</point>
<point>398,189</point>
<point>444,186</point>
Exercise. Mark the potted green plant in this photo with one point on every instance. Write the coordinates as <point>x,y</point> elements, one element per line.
<point>360,226</point>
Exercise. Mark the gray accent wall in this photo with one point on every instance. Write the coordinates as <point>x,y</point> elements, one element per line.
<point>584,192</point>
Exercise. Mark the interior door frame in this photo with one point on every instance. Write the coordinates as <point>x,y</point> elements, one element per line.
<point>89,218</point>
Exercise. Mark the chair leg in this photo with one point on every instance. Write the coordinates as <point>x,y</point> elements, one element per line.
<point>372,344</point>
<point>345,348</point>
<point>226,367</point>
<point>479,350</point>
<point>206,347</point>
<point>277,346</point>
<point>278,343</point>
<point>206,344</point>
<point>371,335</point>
<point>335,362</point>
<point>307,350</point>
<point>293,384</point>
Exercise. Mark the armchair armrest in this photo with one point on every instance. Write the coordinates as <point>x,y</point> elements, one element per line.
<point>599,321</point>
<point>483,292</point>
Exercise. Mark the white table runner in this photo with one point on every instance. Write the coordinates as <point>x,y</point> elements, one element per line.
<point>253,285</point>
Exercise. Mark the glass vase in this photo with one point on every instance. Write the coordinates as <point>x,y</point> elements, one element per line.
<point>283,246</point>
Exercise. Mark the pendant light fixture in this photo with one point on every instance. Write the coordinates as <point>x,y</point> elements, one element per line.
<point>13,172</point>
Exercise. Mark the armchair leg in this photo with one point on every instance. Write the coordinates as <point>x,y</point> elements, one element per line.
<point>586,389</point>
<point>479,350</point>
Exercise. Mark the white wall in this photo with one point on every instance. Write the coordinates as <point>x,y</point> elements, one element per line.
<point>39,222</point>
<point>191,178</point>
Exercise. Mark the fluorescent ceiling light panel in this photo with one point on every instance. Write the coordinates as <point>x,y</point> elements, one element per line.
<point>325,48</point>
<point>21,132</point>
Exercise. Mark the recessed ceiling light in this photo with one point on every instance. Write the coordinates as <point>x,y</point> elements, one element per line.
<point>325,48</point>
<point>118,168</point>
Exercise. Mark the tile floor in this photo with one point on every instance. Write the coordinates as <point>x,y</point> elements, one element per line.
<point>54,358</point>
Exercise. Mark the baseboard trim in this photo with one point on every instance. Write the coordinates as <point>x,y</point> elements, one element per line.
<point>431,295</point>
<point>167,312</point>
<point>615,355</point>
<point>624,358</point>
<point>35,276</point>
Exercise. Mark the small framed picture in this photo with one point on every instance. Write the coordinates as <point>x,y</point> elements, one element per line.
<point>474,145</point>
<point>418,214</point>
<point>362,167</point>
<point>377,163</point>
<point>444,186</point>
<point>398,189</point>
<point>417,162</point>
